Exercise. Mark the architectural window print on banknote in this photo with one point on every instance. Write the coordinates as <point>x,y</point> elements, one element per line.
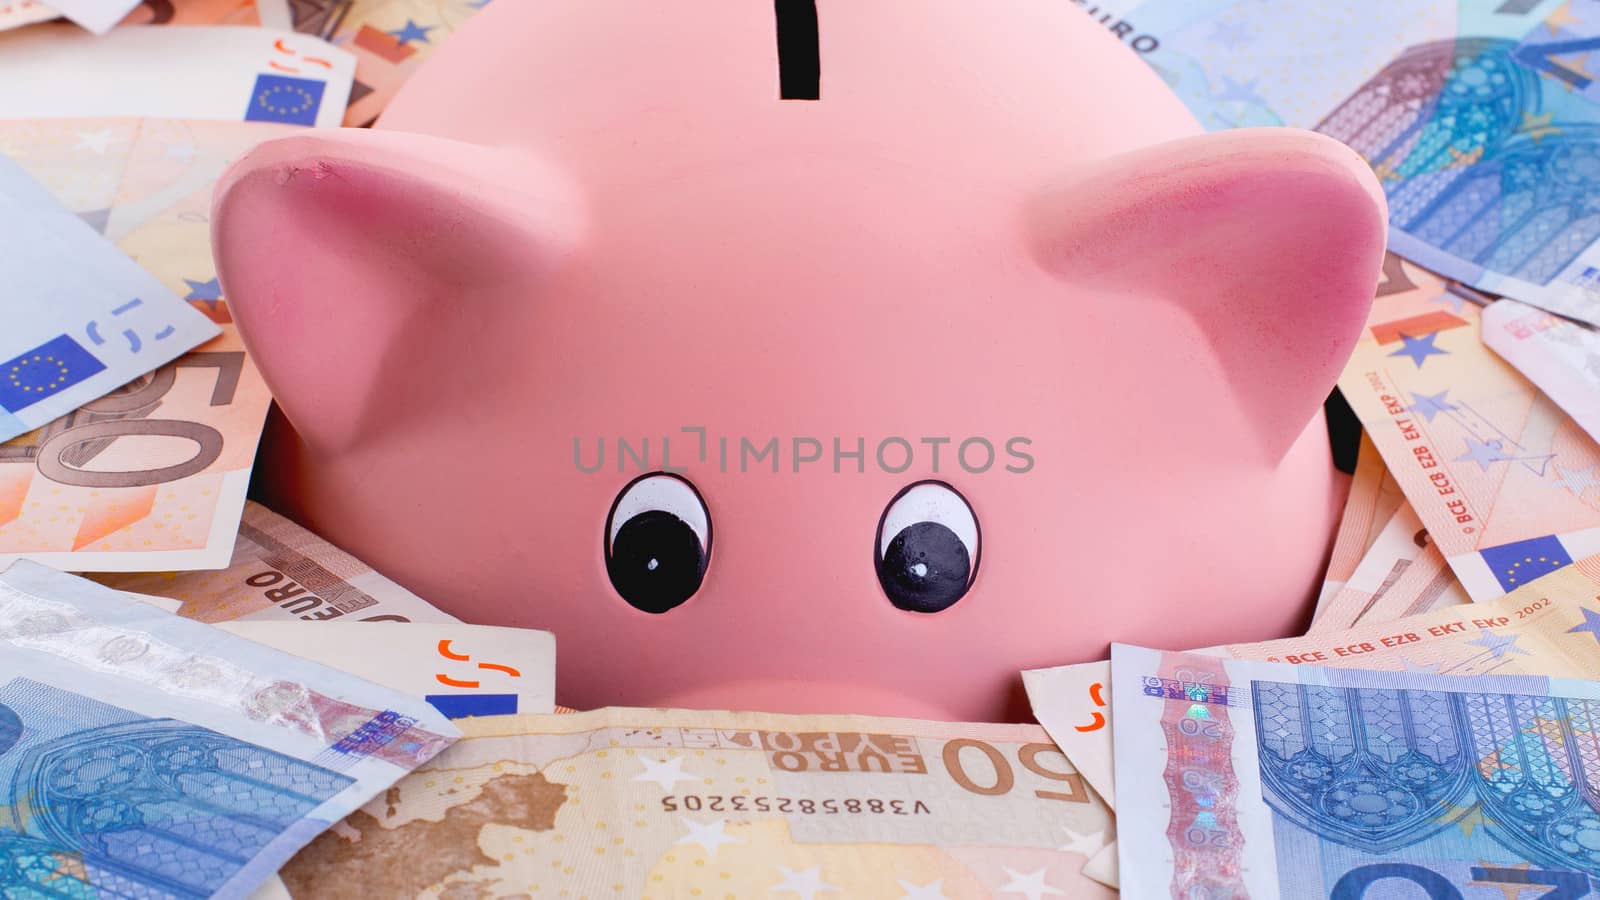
<point>137,806</point>
<point>1306,782</point>
<point>1480,118</point>
<point>145,755</point>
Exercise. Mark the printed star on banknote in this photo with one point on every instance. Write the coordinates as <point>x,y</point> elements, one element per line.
<point>152,476</point>
<point>1253,779</point>
<point>667,803</point>
<point>145,755</point>
<point>1479,117</point>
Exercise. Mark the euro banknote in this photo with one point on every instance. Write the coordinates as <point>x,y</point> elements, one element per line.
<point>1271,780</point>
<point>463,670</point>
<point>17,13</point>
<point>1541,628</point>
<point>681,803</point>
<point>146,755</point>
<point>97,16</point>
<point>1469,112</point>
<point>1492,467</point>
<point>270,13</point>
<point>1403,574</point>
<point>216,72</point>
<point>1395,548</point>
<point>81,319</point>
<point>1561,357</point>
<point>1373,498</point>
<point>266,13</point>
<point>151,477</point>
<point>282,572</point>
<point>389,39</point>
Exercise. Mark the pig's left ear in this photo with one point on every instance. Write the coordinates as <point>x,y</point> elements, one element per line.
<point>1272,239</point>
<point>349,258</point>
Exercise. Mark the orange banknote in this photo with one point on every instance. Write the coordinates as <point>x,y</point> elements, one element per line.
<point>153,475</point>
<point>1505,482</point>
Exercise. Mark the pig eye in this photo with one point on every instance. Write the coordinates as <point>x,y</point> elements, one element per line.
<point>658,542</point>
<point>927,547</point>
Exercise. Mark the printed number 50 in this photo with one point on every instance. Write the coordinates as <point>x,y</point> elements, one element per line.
<point>1005,777</point>
<point>115,415</point>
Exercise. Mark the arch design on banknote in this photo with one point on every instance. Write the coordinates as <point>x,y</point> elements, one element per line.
<point>161,805</point>
<point>1381,769</point>
<point>1475,158</point>
<point>1370,769</point>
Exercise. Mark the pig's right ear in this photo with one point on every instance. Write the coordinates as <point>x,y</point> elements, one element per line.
<point>364,269</point>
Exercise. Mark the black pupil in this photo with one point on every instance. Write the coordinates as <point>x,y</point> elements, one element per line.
<point>656,561</point>
<point>925,569</point>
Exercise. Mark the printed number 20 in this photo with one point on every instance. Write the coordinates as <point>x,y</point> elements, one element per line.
<point>1566,885</point>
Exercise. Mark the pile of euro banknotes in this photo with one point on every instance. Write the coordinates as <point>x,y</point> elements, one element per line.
<point>199,710</point>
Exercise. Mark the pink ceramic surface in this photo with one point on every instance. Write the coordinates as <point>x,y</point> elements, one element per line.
<point>592,219</point>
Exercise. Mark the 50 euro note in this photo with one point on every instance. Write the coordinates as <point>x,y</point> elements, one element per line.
<point>1547,627</point>
<point>153,475</point>
<point>1254,779</point>
<point>390,39</point>
<point>1373,498</point>
<point>1492,467</point>
<point>282,572</point>
<point>680,803</point>
<point>1402,574</point>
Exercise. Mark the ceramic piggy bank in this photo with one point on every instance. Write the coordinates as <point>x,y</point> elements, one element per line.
<point>848,362</point>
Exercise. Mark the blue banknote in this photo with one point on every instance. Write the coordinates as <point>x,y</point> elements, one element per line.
<point>1480,117</point>
<point>78,318</point>
<point>145,755</point>
<point>1271,780</point>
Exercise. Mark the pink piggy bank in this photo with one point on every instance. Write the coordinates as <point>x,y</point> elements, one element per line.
<point>839,362</point>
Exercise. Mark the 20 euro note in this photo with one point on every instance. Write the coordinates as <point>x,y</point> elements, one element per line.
<point>669,803</point>
<point>1492,467</point>
<point>1253,779</point>
<point>153,475</point>
<point>1472,113</point>
<point>1542,628</point>
<point>282,572</point>
<point>147,755</point>
<point>79,317</point>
